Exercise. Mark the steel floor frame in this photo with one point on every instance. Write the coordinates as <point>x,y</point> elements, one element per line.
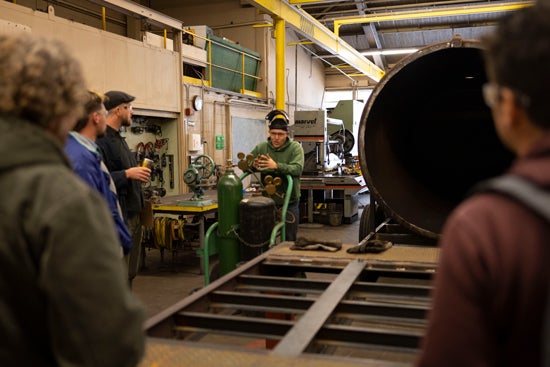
<point>303,309</point>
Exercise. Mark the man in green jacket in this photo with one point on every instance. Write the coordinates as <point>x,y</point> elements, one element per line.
<point>280,156</point>
<point>64,297</point>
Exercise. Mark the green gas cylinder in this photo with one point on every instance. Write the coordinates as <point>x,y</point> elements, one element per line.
<point>230,194</point>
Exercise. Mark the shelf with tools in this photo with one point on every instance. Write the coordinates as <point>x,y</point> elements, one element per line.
<point>176,227</point>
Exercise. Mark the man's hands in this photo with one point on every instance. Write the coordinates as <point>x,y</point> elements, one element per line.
<point>265,162</point>
<point>138,173</point>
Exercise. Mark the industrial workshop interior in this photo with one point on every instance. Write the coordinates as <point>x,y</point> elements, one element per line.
<point>380,95</point>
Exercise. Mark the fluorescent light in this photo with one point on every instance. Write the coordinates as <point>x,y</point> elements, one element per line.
<point>395,51</point>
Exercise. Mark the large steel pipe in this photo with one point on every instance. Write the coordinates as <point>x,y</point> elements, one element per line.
<point>426,135</point>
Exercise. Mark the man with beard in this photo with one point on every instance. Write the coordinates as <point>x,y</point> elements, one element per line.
<point>87,162</point>
<point>124,169</point>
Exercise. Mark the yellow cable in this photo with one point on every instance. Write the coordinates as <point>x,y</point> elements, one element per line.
<point>157,238</point>
<point>163,231</point>
<point>181,229</point>
<point>167,234</point>
<point>174,229</point>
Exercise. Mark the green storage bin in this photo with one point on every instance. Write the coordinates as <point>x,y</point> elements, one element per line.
<point>227,55</point>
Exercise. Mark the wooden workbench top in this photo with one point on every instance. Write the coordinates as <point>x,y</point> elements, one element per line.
<point>427,256</point>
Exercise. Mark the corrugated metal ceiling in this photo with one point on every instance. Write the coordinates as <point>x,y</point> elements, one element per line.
<point>390,34</point>
<point>401,34</point>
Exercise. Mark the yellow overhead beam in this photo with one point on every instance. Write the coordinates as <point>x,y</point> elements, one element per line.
<point>301,43</point>
<point>304,1</point>
<point>430,13</point>
<point>321,35</point>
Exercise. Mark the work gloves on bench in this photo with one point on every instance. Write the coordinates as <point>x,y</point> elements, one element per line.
<point>370,246</point>
<point>313,244</point>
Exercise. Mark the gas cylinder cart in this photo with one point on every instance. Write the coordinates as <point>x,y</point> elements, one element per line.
<point>246,226</point>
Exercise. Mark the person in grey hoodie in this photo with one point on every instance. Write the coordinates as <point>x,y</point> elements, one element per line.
<point>64,297</point>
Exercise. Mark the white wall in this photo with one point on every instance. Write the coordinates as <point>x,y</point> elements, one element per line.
<point>110,61</point>
<point>229,19</point>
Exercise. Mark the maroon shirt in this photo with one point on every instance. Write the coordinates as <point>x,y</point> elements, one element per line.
<point>490,286</point>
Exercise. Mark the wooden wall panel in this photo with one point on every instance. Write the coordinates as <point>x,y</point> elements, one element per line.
<point>111,61</point>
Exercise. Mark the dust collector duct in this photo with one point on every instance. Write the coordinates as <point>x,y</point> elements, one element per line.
<point>426,135</point>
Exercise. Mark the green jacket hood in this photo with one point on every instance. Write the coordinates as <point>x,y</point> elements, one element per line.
<point>22,143</point>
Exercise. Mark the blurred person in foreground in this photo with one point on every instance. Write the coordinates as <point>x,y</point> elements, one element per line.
<point>490,289</point>
<point>126,173</point>
<point>87,162</point>
<point>64,299</point>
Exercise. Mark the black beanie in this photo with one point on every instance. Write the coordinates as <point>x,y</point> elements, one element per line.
<point>278,124</point>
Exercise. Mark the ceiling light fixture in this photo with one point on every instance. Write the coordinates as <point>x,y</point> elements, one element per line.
<point>396,51</point>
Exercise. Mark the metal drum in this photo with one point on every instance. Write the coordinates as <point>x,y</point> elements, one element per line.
<point>257,219</point>
<point>426,135</point>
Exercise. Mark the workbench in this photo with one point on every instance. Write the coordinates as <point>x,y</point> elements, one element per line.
<point>345,188</point>
<point>178,205</point>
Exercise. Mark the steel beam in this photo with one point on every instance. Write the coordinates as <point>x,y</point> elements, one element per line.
<point>316,286</point>
<point>300,336</point>
<point>134,9</point>
<point>298,305</point>
<point>318,33</point>
<point>299,2</point>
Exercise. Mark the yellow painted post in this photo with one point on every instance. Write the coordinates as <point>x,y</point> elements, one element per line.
<point>209,61</point>
<point>242,72</point>
<point>103,18</point>
<point>280,64</point>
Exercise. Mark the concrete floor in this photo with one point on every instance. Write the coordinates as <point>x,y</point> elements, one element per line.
<point>163,282</point>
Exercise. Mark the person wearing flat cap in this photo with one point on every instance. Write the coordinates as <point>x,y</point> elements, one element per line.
<point>280,156</point>
<point>124,170</point>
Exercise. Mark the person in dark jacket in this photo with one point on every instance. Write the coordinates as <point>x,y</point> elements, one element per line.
<point>491,284</point>
<point>87,161</point>
<point>126,173</point>
<point>64,298</point>
<point>280,156</point>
